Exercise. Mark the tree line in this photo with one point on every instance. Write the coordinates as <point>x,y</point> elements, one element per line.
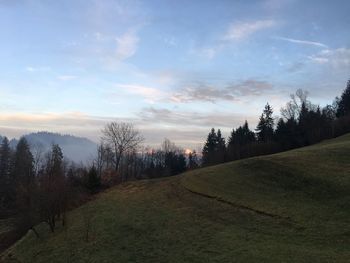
<point>302,124</point>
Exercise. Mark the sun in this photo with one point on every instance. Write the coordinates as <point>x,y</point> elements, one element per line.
<point>188,151</point>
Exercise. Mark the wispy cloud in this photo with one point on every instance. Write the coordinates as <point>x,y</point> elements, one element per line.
<point>232,92</point>
<point>302,42</point>
<point>236,31</point>
<point>151,95</point>
<point>190,118</point>
<point>126,45</point>
<point>335,57</point>
<point>242,30</point>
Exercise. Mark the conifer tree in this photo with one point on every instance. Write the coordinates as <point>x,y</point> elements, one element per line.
<point>220,148</point>
<point>209,148</point>
<point>265,126</point>
<point>5,170</point>
<point>344,102</point>
<point>23,170</point>
<point>238,141</point>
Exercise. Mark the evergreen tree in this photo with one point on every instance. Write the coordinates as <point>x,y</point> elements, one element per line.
<point>220,148</point>
<point>5,170</point>
<point>242,135</point>
<point>287,134</point>
<point>5,158</point>
<point>23,178</point>
<point>344,102</point>
<point>238,142</point>
<point>266,124</point>
<point>209,148</point>
<point>23,170</point>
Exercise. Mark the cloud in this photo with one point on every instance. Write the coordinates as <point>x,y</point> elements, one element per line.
<point>191,118</point>
<point>338,58</point>
<point>75,123</point>
<point>236,31</point>
<point>302,42</point>
<point>242,30</point>
<point>187,128</point>
<point>126,45</point>
<point>150,94</point>
<point>232,92</point>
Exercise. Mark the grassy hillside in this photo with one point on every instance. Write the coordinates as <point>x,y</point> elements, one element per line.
<point>288,207</point>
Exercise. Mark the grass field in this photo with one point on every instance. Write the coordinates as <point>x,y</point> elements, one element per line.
<point>287,207</point>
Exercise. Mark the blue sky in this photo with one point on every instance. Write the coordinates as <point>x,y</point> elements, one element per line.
<point>173,68</point>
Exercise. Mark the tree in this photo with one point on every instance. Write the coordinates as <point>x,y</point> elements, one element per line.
<point>220,148</point>
<point>23,170</point>
<point>121,138</point>
<point>209,148</point>
<point>38,154</point>
<point>192,160</point>
<point>287,134</point>
<point>173,160</point>
<point>214,150</point>
<point>344,102</point>
<point>239,141</point>
<point>5,170</point>
<point>25,187</point>
<point>266,124</point>
<point>241,136</point>
<point>293,108</point>
<point>92,180</point>
<point>53,188</point>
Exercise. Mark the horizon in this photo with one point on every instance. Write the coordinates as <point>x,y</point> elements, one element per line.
<point>71,67</point>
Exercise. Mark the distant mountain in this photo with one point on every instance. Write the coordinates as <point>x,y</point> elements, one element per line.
<point>76,149</point>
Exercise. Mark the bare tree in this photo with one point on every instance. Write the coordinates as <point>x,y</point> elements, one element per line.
<point>100,159</point>
<point>293,108</point>
<point>38,156</point>
<point>122,138</point>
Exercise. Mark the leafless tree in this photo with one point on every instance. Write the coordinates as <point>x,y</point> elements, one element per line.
<point>38,156</point>
<point>168,146</point>
<point>293,107</point>
<point>122,138</point>
<point>100,159</point>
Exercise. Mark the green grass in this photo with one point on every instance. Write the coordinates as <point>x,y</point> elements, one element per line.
<point>287,207</point>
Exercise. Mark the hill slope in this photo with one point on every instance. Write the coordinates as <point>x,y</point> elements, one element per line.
<point>287,207</point>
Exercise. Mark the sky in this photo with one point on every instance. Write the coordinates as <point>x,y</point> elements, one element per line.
<point>173,68</point>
